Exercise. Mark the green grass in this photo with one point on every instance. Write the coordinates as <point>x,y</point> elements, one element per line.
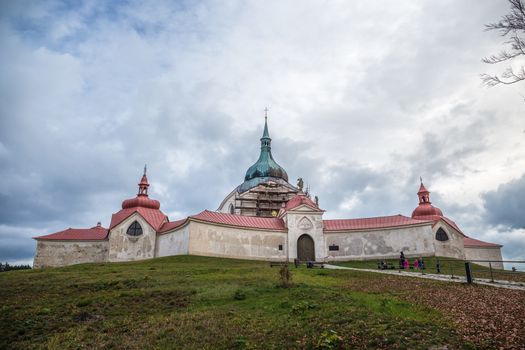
<point>208,303</point>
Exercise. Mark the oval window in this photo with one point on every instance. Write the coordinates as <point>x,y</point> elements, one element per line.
<point>134,229</point>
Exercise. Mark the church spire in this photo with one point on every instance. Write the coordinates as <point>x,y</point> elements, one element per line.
<point>266,134</point>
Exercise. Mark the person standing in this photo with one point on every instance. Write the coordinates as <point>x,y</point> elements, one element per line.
<point>401,261</point>
<point>421,263</point>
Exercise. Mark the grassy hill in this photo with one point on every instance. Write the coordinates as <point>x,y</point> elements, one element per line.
<point>199,302</point>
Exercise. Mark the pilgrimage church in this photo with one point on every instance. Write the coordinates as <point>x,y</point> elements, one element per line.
<point>264,218</point>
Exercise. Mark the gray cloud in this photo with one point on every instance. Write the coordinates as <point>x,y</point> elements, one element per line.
<point>504,206</point>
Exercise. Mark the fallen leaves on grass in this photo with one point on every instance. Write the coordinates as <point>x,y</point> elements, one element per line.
<point>486,316</point>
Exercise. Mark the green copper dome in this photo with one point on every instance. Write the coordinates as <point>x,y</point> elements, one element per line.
<point>265,165</point>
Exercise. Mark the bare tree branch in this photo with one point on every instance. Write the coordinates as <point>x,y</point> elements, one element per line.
<point>514,24</point>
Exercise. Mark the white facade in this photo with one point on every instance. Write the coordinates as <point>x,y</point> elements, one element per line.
<point>196,237</point>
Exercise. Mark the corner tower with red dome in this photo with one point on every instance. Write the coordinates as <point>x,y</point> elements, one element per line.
<point>449,239</point>
<point>133,230</point>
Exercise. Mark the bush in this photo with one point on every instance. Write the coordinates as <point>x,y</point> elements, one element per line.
<point>7,267</point>
<point>285,277</point>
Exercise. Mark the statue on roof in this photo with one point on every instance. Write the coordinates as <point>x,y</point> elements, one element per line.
<point>300,183</point>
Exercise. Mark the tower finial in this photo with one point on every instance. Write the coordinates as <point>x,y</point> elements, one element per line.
<point>420,179</point>
<point>145,168</point>
<point>266,134</point>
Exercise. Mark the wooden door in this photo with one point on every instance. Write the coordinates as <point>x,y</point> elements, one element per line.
<point>305,248</point>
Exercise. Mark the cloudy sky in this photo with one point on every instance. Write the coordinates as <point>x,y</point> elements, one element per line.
<point>365,97</point>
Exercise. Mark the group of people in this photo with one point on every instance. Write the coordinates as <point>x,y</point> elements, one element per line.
<point>418,264</point>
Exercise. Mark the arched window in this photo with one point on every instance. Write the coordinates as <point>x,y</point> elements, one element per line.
<point>232,209</point>
<point>441,235</point>
<point>134,229</point>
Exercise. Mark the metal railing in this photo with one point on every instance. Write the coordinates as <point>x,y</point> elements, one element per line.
<point>494,271</point>
<point>498,271</point>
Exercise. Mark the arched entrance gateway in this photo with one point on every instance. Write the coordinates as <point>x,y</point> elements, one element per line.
<point>305,248</point>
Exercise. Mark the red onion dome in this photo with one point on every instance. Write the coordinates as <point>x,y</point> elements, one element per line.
<point>426,209</point>
<point>141,201</point>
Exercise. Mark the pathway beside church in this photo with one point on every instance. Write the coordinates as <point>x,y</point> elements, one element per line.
<point>437,277</point>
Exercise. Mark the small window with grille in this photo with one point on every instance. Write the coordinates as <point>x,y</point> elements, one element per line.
<point>134,229</point>
<point>280,247</point>
<point>441,235</point>
<point>333,247</point>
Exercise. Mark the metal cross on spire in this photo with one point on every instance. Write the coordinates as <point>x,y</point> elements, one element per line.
<point>421,180</point>
<point>266,112</point>
<point>145,168</point>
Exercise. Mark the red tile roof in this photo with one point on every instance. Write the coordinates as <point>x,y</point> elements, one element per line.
<point>453,224</point>
<point>154,217</point>
<point>370,223</point>
<point>436,218</point>
<point>298,200</point>
<point>471,242</point>
<point>240,220</point>
<point>168,226</point>
<point>96,233</point>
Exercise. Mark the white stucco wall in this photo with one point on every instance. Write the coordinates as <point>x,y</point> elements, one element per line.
<point>387,243</point>
<point>123,247</point>
<point>62,253</point>
<point>223,241</point>
<point>173,243</point>
<point>453,248</point>
<point>481,253</point>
